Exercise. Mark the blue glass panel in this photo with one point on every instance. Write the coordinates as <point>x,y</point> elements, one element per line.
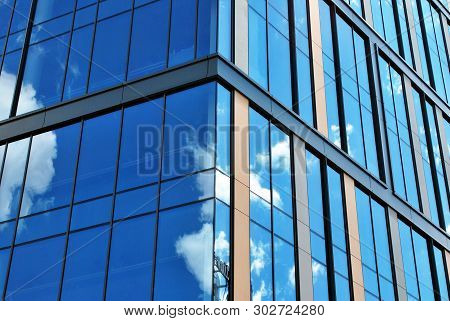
<point>260,264</point>
<point>381,240</point>
<point>42,225</point>
<point>441,275</point>
<point>7,233</point>
<point>85,265</point>
<point>130,264</point>
<point>284,271</point>
<point>257,48</point>
<point>98,156</point>
<point>225,30</point>
<point>283,226</point>
<point>21,13</point>
<point>141,144</point>
<point>91,213</point>
<point>182,31</point>
<point>112,7</point>
<point>6,8</point>
<point>135,202</point>
<point>51,28</point>
<point>189,137</point>
<point>260,211</point>
<point>11,184</point>
<point>305,104</point>
<point>47,9</point>
<point>85,16</point>
<point>365,229</point>
<point>43,77</point>
<point>78,65</point>
<point>110,52</point>
<point>320,281</point>
<point>223,130</point>
<point>409,264</point>
<point>187,189</point>
<point>36,271</point>
<point>386,290</point>
<point>342,288</point>
<point>51,170</point>
<point>423,268</point>
<point>221,250</point>
<point>315,205</point>
<point>149,40</point>
<point>184,254</point>
<point>4,260</point>
<point>207,28</point>
<point>8,78</point>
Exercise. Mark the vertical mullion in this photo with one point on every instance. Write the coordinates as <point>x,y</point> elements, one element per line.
<point>129,40</point>
<point>267,47</point>
<point>25,171</point>
<point>197,4</point>
<point>293,56</point>
<point>23,59</point>
<point>168,35</point>
<point>111,222</point>
<point>69,49</point>
<point>271,213</point>
<point>415,261</point>
<point>434,277</point>
<point>94,32</point>
<point>63,265</point>
<point>158,201</point>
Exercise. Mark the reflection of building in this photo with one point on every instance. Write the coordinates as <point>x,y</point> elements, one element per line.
<point>121,177</point>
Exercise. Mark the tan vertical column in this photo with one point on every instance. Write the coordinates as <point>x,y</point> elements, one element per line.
<point>241,34</point>
<point>367,10</point>
<point>447,258</point>
<point>319,81</point>
<point>413,36</point>
<point>417,148</point>
<point>397,253</point>
<point>303,229</point>
<point>446,31</point>
<point>241,210</point>
<point>443,139</point>
<point>353,234</point>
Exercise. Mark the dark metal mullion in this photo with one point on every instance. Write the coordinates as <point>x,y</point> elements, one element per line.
<point>158,201</point>
<point>3,50</point>
<point>91,60</point>
<point>63,265</point>
<point>391,251</point>
<point>338,80</point>
<point>23,59</point>
<point>415,262</point>
<point>197,6</point>
<point>327,231</point>
<point>69,49</point>
<point>434,276</point>
<point>130,38</point>
<point>168,34</point>
<point>233,31</point>
<point>111,222</point>
<point>267,45</point>
<point>11,252</point>
<point>216,49</point>
<point>374,245</point>
<point>293,56</point>
<point>232,201</point>
<point>398,33</point>
<point>271,212</point>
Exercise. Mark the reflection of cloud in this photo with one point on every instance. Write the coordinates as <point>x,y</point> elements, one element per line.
<point>12,176</point>
<point>292,276</point>
<point>223,187</point>
<point>260,293</point>
<point>258,255</point>
<point>196,251</point>
<point>40,172</point>
<point>280,156</point>
<point>221,245</point>
<point>257,188</point>
<point>335,135</point>
<point>318,270</point>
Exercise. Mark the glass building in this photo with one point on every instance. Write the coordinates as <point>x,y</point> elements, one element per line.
<point>224,150</point>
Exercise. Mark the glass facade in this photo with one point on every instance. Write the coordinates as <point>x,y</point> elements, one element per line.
<point>341,176</point>
<point>97,189</point>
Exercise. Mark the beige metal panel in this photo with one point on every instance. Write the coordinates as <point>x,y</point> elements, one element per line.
<point>412,31</point>
<point>447,258</point>
<point>241,34</point>
<point>445,24</point>
<point>417,149</point>
<point>241,257</point>
<point>353,234</point>
<point>303,230</point>
<point>319,81</point>
<point>397,253</point>
<point>443,139</point>
<point>241,226</point>
<point>367,10</point>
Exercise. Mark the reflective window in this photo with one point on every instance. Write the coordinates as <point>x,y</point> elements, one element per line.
<point>189,137</point>
<point>398,134</point>
<point>141,144</point>
<point>184,253</point>
<point>149,39</point>
<point>130,263</point>
<point>51,170</point>
<point>439,259</point>
<point>98,155</point>
<point>110,52</point>
<point>36,270</point>
<point>85,265</point>
<point>375,252</point>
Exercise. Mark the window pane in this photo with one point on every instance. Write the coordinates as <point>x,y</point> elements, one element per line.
<point>284,271</point>
<point>260,263</point>
<point>141,144</point>
<point>11,184</point>
<point>182,31</point>
<point>135,202</point>
<point>189,137</point>
<point>149,39</point>
<point>257,48</point>
<point>98,156</point>
<point>207,27</point>
<point>51,170</point>
<point>130,264</point>
<point>184,254</point>
<point>85,265</point>
<point>441,275</point>
<point>48,9</point>
<point>91,213</point>
<point>110,52</point>
<point>36,271</point>
<point>423,268</point>
<point>8,77</point>
<point>43,77</point>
